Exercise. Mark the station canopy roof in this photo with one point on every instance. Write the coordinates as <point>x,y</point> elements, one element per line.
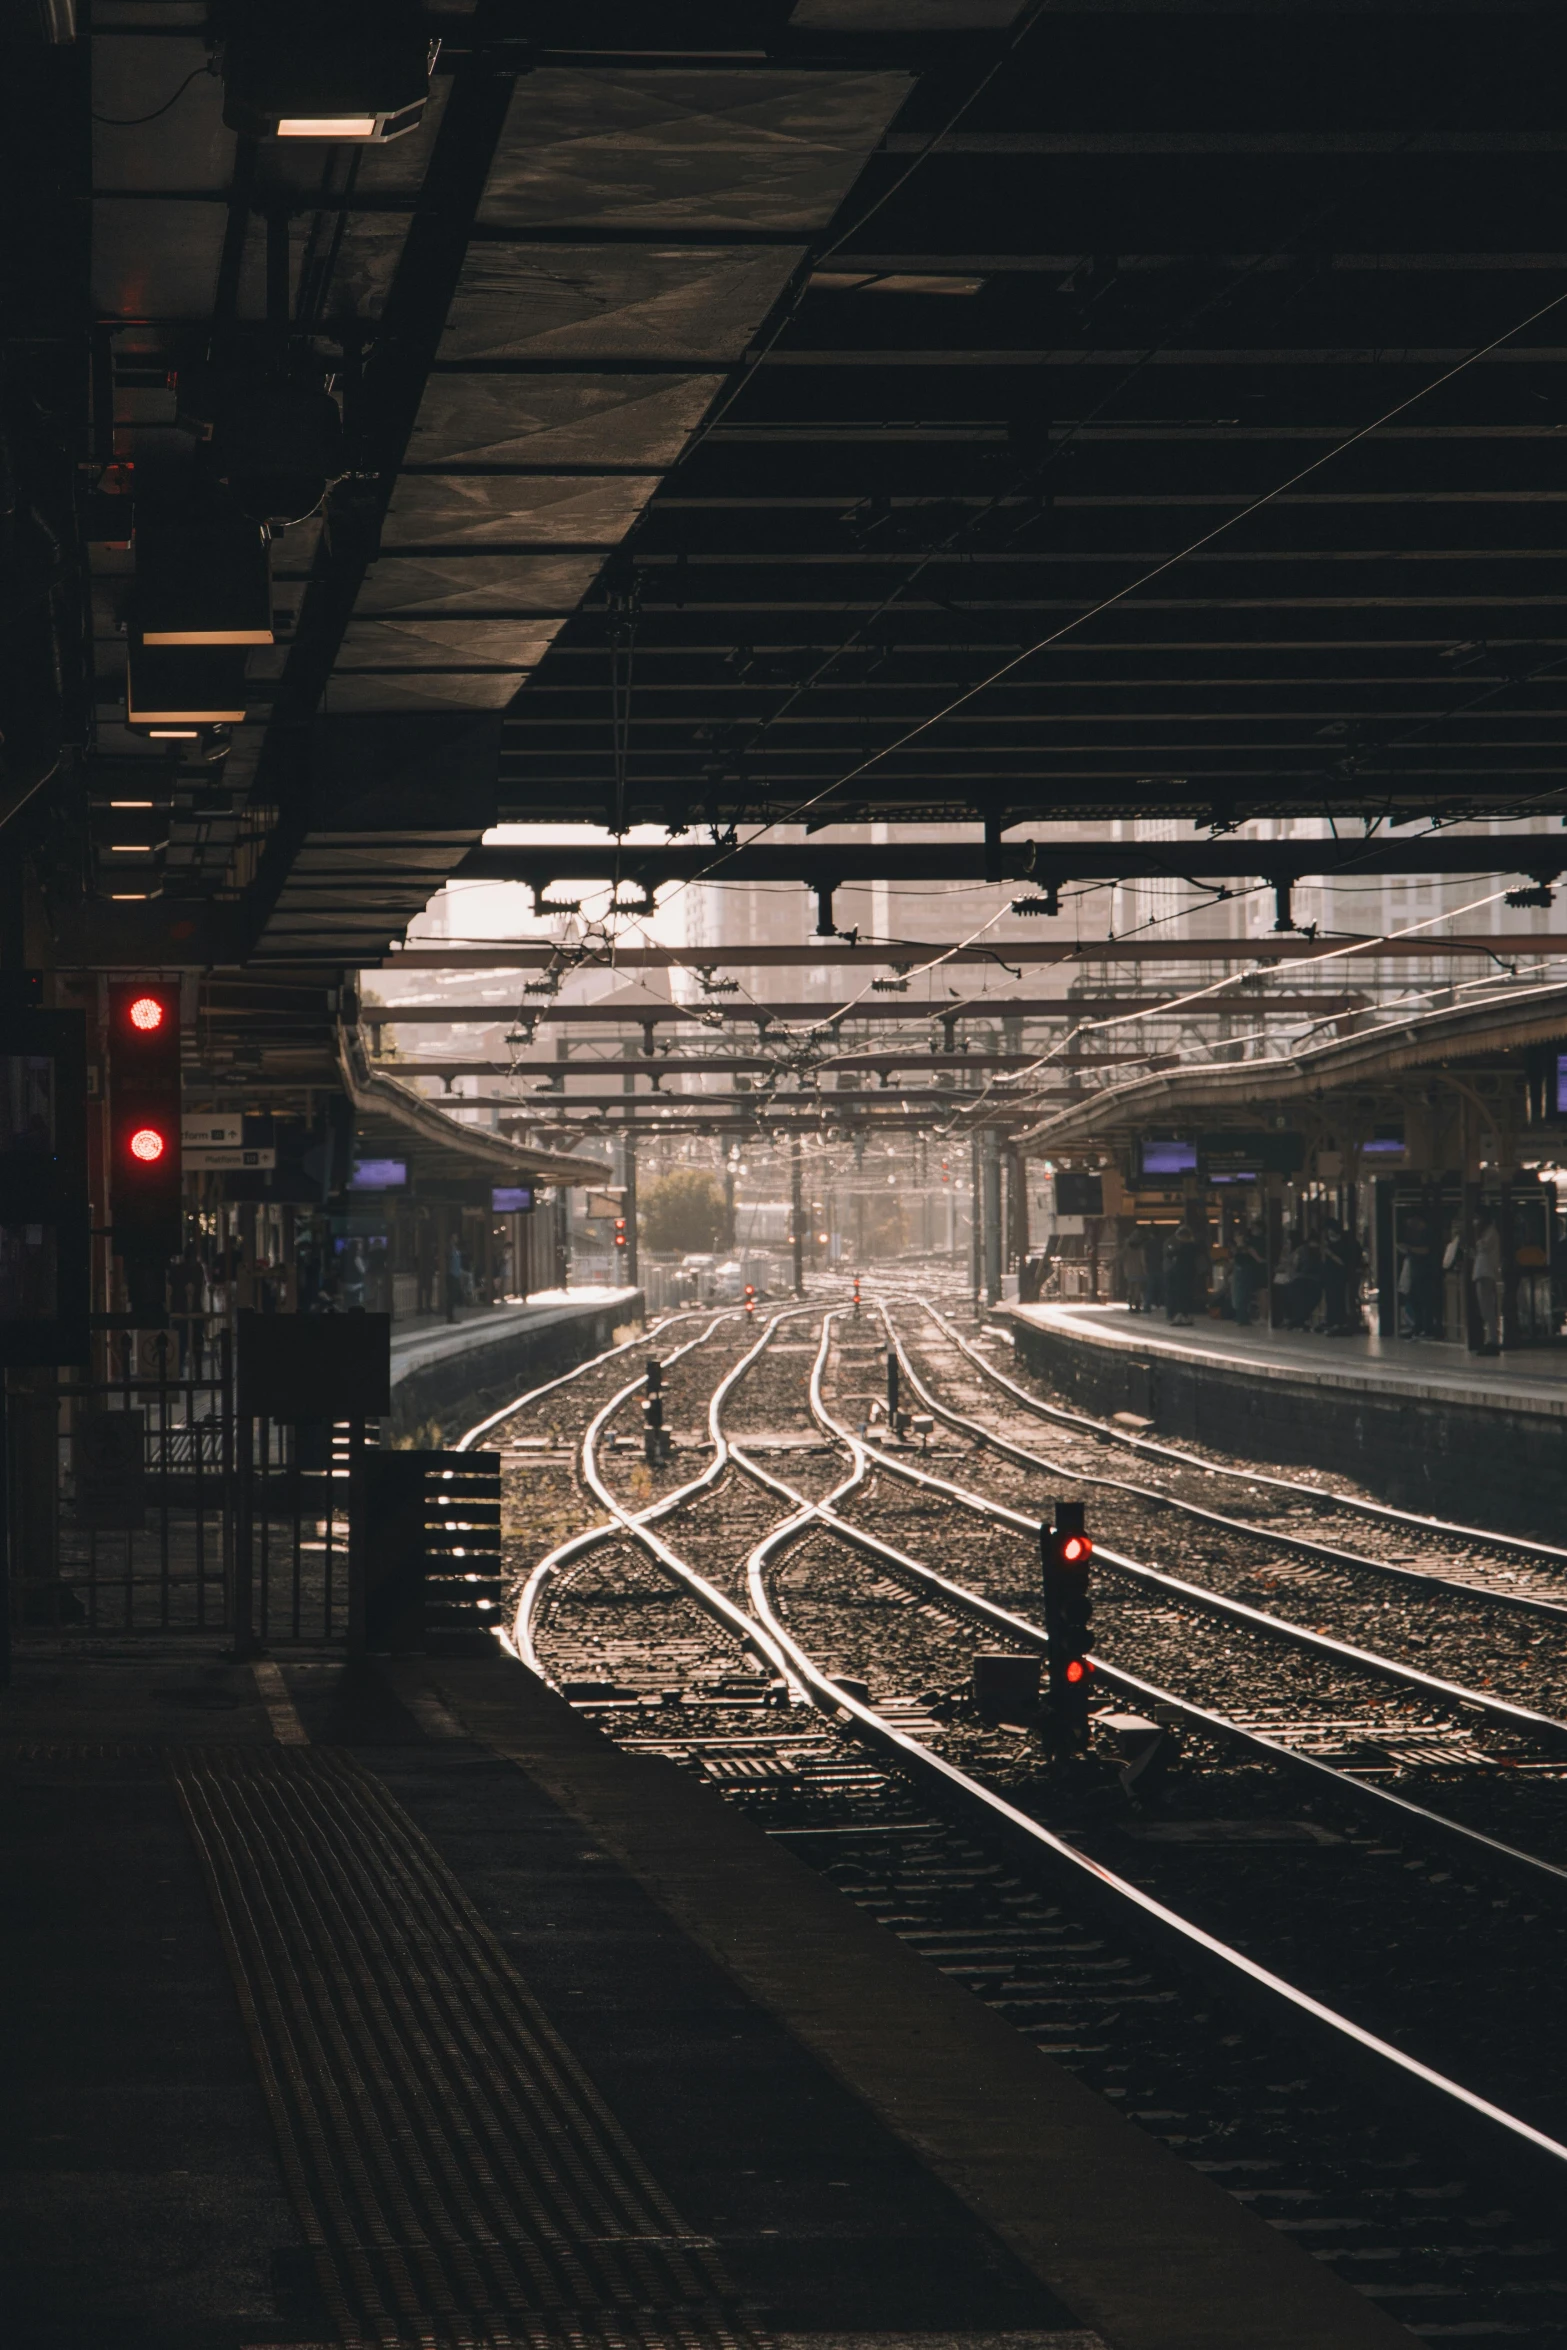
<point>1387,1051</point>
<point>392,1121</point>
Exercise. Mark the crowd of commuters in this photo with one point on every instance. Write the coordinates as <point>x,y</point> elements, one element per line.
<point>1316,1280</point>
<point>1314,1284</point>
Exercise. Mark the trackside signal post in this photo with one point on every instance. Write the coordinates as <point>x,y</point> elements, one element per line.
<point>144,1136</point>
<point>655,1437</point>
<point>1067,1557</point>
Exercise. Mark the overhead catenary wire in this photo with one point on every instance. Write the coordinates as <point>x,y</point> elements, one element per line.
<point>1144,579</point>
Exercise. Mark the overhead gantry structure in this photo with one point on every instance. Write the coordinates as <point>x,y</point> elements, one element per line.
<point>944,411</point>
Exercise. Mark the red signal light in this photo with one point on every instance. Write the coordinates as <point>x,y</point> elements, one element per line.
<point>148,1145</point>
<point>1076,1670</point>
<point>1075,1548</point>
<point>147,1014</point>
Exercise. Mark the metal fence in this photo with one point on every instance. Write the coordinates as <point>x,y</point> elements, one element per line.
<point>168,1512</point>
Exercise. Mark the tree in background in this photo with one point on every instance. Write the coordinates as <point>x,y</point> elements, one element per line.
<point>683,1211</point>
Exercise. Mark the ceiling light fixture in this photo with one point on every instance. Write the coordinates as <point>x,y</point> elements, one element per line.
<point>328,126</point>
<point>359,71</point>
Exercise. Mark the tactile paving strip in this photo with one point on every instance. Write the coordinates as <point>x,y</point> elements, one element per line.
<point>459,2180</point>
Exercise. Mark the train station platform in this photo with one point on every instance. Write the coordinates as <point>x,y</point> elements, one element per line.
<point>399,2006</point>
<point>1420,1423</point>
<point>448,1374</point>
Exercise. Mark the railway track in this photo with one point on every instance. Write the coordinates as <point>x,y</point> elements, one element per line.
<point>653,1647</point>
<point>1485,1653</point>
<point>1409,1547</point>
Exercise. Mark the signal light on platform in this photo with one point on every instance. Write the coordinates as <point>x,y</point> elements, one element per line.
<point>1066,1554</point>
<point>620,1232</point>
<point>144,1129</point>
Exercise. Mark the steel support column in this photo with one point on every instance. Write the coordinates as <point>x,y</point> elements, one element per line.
<point>796,1215</point>
<point>990,1175</point>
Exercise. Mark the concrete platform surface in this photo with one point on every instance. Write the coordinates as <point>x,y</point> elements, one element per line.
<point>299,1963</point>
<point>1413,1369</point>
<point>433,1339</point>
<point>450,1374</point>
<point>1146,2251</point>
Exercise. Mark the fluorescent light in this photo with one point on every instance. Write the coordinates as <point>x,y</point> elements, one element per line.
<point>133,803</point>
<point>162,734</point>
<point>196,635</point>
<point>359,69</point>
<point>126,897</point>
<point>327,126</point>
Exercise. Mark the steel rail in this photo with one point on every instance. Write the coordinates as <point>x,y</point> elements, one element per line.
<point>1190,1944</point>
<point>638,1525</point>
<point>1320,1498</point>
<point>610,1354</point>
<point>1363,1794</point>
<point>578,1545</point>
<point>1304,1545</point>
<point>1195,1595</point>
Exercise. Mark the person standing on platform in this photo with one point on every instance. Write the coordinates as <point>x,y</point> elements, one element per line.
<point>1305,1292</point>
<point>1134,1269</point>
<point>1485,1271</point>
<point>1419,1279</point>
<point>1335,1281</point>
<point>1153,1287</point>
<point>1247,1268</point>
<point>1180,1277</point>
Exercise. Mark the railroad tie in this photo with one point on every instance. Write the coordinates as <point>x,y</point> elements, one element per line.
<point>459,2180</point>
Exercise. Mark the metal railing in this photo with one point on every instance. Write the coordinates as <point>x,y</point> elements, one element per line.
<point>154,1508</point>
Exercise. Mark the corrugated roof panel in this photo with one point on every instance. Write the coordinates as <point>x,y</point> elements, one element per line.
<point>715,150</point>
<point>517,301</point>
<point>475,583</point>
<point>559,419</point>
<point>449,509</point>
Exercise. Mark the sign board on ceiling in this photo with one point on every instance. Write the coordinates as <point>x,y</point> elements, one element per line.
<point>314,1366</point>
<point>219,1157</point>
<point>195,1132</point>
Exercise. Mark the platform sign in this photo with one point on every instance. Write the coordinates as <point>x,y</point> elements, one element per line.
<point>315,1366</point>
<point>1167,1155</point>
<point>221,1158</point>
<point>204,1131</point>
<point>1078,1194</point>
